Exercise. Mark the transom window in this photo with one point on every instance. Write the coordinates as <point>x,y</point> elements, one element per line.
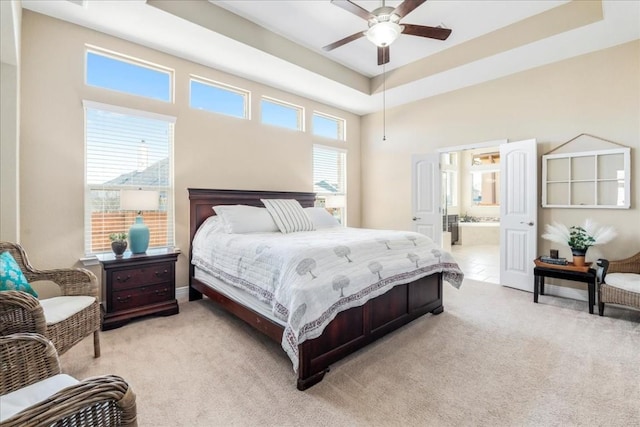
<point>124,74</point>
<point>219,98</point>
<point>126,150</point>
<point>282,114</point>
<point>328,126</point>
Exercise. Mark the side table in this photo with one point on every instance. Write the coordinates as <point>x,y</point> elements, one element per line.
<point>588,277</point>
<point>137,285</point>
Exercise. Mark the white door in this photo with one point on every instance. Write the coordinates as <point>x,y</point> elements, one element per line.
<point>427,214</point>
<point>518,213</point>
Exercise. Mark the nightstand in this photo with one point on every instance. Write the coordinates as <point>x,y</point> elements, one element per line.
<point>138,285</point>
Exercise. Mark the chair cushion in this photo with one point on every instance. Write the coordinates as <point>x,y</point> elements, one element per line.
<point>60,308</point>
<point>627,281</point>
<point>11,276</point>
<point>21,399</point>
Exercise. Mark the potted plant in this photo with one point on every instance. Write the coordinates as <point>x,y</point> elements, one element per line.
<point>579,238</point>
<point>118,243</point>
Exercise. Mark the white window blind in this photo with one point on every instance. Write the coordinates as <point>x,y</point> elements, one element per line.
<point>330,179</point>
<point>125,150</point>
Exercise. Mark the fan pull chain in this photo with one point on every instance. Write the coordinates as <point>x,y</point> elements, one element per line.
<point>384,102</point>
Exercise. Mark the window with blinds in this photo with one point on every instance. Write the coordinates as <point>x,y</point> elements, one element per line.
<point>330,179</point>
<point>126,150</point>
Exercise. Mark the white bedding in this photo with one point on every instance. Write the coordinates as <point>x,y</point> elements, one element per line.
<point>309,277</point>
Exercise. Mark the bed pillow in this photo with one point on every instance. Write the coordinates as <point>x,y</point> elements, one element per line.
<point>11,277</point>
<point>288,215</point>
<point>245,219</point>
<point>321,218</point>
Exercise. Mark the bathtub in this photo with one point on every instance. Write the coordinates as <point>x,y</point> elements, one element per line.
<point>479,233</point>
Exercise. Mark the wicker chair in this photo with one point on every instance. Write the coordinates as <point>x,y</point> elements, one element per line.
<point>21,312</point>
<point>612,292</point>
<point>31,360</point>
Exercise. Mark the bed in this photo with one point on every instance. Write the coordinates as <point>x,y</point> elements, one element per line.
<point>347,330</point>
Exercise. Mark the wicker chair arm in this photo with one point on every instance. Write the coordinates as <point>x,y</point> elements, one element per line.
<point>26,359</point>
<point>21,312</point>
<point>627,265</point>
<point>72,281</point>
<point>99,401</point>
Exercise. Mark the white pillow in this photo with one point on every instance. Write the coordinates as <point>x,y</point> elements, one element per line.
<point>321,218</point>
<point>288,215</point>
<point>245,219</point>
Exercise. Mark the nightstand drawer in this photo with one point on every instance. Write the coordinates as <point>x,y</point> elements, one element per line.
<point>144,295</point>
<point>147,275</point>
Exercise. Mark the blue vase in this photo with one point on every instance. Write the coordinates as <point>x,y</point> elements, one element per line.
<point>139,236</point>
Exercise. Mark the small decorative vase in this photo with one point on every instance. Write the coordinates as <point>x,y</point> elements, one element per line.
<point>118,247</point>
<point>578,257</point>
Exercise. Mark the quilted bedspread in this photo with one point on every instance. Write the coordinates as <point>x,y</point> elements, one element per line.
<point>309,277</point>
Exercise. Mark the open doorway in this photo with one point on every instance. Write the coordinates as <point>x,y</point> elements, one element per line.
<point>471,209</point>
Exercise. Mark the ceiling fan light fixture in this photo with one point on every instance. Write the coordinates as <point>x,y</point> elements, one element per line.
<point>383,33</point>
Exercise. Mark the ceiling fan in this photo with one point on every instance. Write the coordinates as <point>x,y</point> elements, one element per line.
<point>385,27</point>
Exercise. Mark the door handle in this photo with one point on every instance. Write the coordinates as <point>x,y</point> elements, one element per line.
<point>415,218</point>
<point>530,223</point>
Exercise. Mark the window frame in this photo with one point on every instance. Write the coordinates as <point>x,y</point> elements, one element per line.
<point>298,108</point>
<point>133,61</point>
<point>342,125</point>
<point>320,195</point>
<point>246,94</point>
<point>169,188</point>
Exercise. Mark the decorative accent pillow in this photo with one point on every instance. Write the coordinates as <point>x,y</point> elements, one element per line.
<point>288,215</point>
<point>245,219</point>
<point>321,218</point>
<point>11,277</point>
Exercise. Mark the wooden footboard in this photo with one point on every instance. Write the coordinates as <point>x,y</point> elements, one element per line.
<point>350,330</point>
<point>357,327</point>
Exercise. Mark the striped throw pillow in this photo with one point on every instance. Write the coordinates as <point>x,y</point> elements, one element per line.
<point>288,215</point>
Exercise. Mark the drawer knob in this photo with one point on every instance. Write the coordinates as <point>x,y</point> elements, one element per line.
<point>162,273</point>
<point>122,280</point>
<point>161,292</point>
<point>123,299</point>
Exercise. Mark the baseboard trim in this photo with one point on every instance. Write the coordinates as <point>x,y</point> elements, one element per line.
<point>565,292</point>
<point>182,294</point>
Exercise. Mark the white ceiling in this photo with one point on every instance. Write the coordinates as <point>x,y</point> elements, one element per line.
<point>345,77</point>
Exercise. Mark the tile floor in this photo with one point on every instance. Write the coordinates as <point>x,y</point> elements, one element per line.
<point>478,262</point>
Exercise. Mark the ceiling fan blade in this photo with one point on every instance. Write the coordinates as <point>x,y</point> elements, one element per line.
<point>344,41</point>
<point>406,7</point>
<point>430,32</point>
<point>383,55</point>
<point>353,8</point>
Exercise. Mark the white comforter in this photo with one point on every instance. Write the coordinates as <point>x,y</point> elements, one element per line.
<point>309,277</point>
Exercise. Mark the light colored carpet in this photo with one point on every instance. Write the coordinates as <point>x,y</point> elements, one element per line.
<point>492,358</point>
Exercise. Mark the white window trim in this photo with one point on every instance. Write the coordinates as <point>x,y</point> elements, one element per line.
<point>244,92</point>
<point>300,108</point>
<point>90,258</point>
<point>329,116</point>
<point>135,61</point>
<point>128,111</point>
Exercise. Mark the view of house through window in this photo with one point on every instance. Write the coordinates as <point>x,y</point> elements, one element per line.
<point>329,180</point>
<point>126,150</point>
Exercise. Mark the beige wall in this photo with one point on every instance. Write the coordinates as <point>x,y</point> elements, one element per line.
<point>598,93</point>
<point>211,151</point>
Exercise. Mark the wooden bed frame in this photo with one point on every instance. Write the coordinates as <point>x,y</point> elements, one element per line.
<point>351,329</point>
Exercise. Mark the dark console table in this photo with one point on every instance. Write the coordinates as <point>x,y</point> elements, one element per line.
<point>588,277</point>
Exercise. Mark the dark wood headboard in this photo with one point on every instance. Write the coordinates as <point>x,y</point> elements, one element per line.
<point>201,202</point>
